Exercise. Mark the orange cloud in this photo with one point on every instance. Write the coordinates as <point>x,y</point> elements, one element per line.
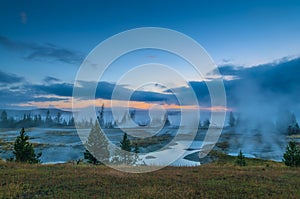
<point>78,104</point>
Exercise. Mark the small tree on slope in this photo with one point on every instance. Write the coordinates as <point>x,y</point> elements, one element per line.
<point>125,146</point>
<point>240,159</point>
<point>291,157</point>
<point>23,150</point>
<point>97,146</point>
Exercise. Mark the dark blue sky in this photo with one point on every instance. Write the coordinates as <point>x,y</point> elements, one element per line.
<point>46,39</point>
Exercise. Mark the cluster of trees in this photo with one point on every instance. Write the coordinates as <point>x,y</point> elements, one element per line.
<point>286,123</point>
<point>98,150</point>
<point>34,121</point>
<point>102,122</point>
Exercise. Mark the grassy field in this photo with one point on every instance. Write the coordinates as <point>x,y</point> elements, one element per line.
<point>222,179</point>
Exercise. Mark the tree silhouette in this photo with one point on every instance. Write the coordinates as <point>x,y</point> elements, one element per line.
<point>136,153</point>
<point>126,146</point>
<point>3,119</point>
<point>291,157</point>
<point>48,121</point>
<point>58,118</point>
<point>240,159</point>
<point>206,123</point>
<point>101,116</point>
<point>231,120</point>
<point>3,116</point>
<point>23,150</point>
<point>125,143</point>
<point>71,122</point>
<point>97,147</point>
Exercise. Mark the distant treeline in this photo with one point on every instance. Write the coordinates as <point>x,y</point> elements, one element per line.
<point>35,121</point>
<point>47,120</point>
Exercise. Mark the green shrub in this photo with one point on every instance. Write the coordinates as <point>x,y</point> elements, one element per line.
<point>240,159</point>
<point>291,157</point>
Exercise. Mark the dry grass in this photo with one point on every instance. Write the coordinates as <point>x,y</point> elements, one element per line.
<point>260,179</point>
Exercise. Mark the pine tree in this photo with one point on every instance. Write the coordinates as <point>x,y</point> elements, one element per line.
<point>136,153</point>
<point>58,117</point>
<point>125,143</point>
<point>48,121</point>
<point>125,146</point>
<point>296,129</point>
<point>3,116</point>
<point>3,119</point>
<point>90,158</point>
<point>101,116</point>
<point>291,157</point>
<point>97,146</point>
<point>71,122</point>
<point>231,120</point>
<point>166,120</point>
<point>240,159</point>
<point>23,150</point>
<point>206,123</point>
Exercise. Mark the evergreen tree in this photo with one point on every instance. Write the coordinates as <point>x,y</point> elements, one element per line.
<point>97,147</point>
<point>291,157</point>
<point>166,120</point>
<point>90,158</point>
<point>24,117</point>
<point>40,122</point>
<point>3,116</point>
<point>23,150</point>
<point>296,128</point>
<point>231,120</point>
<point>240,159</point>
<point>58,117</point>
<point>3,119</point>
<point>35,120</point>
<point>125,146</point>
<point>206,123</point>
<point>287,123</point>
<point>101,116</point>
<point>65,123</point>
<point>136,153</point>
<point>125,143</point>
<point>71,122</point>
<point>48,121</point>
<point>132,114</point>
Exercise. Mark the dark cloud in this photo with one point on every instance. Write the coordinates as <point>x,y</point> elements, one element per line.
<point>16,46</point>
<point>266,87</point>
<point>274,85</point>
<point>105,90</point>
<point>10,98</point>
<point>52,99</point>
<point>226,61</point>
<point>43,52</point>
<point>49,79</point>
<point>147,96</point>
<point>59,89</point>
<point>8,78</point>
<point>271,85</point>
<point>51,52</point>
